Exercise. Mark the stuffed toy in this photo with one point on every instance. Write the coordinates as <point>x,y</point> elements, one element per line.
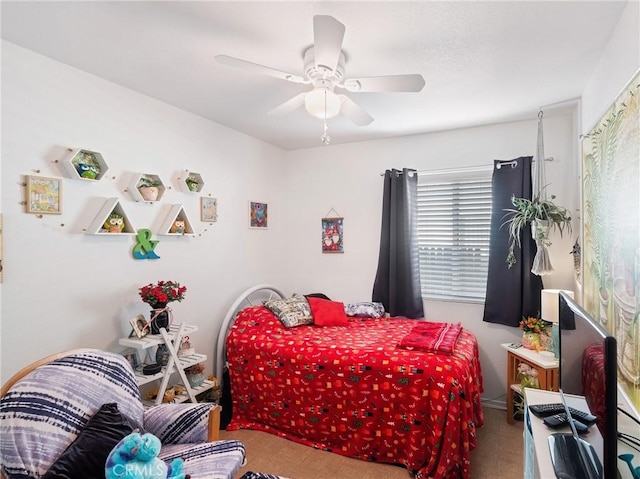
<point>135,457</point>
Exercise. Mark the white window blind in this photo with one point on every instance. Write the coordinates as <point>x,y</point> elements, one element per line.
<point>454,220</point>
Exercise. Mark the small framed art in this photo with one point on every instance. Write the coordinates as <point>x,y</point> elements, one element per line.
<point>208,209</point>
<point>332,235</point>
<point>258,215</point>
<point>44,195</point>
<point>140,327</point>
<point>131,356</point>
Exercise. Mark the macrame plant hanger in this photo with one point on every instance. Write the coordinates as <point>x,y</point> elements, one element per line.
<point>540,228</point>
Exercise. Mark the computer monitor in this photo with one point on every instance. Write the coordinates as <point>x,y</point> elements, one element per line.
<point>587,353</point>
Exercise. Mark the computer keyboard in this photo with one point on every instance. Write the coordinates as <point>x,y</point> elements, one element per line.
<point>573,458</point>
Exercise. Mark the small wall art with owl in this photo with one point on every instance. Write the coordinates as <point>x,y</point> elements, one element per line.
<point>43,195</point>
<point>258,215</point>
<point>208,209</point>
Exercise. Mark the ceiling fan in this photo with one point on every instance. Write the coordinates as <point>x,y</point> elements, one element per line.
<point>324,70</point>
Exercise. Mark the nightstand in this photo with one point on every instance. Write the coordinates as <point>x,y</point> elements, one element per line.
<point>547,373</point>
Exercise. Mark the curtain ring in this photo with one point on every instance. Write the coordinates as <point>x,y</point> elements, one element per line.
<point>540,114</point>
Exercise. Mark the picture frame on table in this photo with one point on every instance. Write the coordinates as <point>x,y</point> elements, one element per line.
<point>131,356</point>
<point>140,326</point>
<point>258,215</point>
<point>208,209</point>
<point>43,195</point>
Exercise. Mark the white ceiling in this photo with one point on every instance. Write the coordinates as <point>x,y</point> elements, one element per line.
<point>483,62</point>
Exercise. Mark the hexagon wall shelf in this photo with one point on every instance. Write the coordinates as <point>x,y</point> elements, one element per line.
<point>81,164</point>
<point>191,182</point>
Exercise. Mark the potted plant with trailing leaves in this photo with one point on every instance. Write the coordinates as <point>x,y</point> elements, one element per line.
<point>544,216</point>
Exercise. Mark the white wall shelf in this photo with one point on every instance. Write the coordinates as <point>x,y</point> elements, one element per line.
<point>154,193</point>
<point>190,182</point>
<point>86,165</point>
<point>111,207</point>
<point>176,223</point>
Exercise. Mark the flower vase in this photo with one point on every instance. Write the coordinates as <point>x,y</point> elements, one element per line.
<point>162,354</point>
<point>149,193</point>
<point>531,340</point>
<point>159,318</point>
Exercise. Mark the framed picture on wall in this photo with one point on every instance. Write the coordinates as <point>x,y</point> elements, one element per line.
<point>44,195</point>
<point>258,215</point>
<point>208,209</point>
<point>332,235</point>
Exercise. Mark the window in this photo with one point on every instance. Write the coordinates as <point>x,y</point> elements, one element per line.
<point>454,222</point>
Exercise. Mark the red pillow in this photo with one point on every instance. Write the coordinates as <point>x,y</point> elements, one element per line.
<point>327,313</point>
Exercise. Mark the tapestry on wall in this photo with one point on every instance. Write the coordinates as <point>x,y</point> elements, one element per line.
<point>611,252</point>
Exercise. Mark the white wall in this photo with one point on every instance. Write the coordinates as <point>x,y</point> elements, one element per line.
<point>347,178</point>
<point>64,289</point>
<point>617,65</point>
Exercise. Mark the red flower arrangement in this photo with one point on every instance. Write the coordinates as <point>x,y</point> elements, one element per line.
<point>162,293</point>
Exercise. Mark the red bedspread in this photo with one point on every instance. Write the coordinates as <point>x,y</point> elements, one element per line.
<point>350,390</point>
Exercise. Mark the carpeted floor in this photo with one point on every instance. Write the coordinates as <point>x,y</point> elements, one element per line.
<point>497,456</point>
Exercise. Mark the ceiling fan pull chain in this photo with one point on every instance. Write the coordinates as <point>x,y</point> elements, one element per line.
<point>326,139</point>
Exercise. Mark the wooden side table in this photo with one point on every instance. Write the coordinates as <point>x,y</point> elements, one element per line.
<point>547,373</point>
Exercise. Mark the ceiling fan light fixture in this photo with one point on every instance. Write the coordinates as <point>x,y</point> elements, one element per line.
<point>322,103</point>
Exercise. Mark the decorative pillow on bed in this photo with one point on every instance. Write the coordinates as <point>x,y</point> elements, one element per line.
<point>291,312</point>
<point>364,310</point>
<point>327,313</point>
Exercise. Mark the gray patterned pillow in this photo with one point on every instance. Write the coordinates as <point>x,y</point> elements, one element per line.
<point>291,312</point>
<point>364,309</point>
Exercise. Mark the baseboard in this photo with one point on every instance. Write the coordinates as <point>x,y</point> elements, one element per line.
<point>494,404</point>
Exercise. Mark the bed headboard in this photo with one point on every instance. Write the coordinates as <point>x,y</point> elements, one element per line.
<point>250,297</point>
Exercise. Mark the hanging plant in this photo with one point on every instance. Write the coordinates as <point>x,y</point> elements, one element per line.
<point>543,216</point>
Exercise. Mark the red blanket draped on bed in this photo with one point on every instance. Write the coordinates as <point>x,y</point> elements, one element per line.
<point>351,390</point>
<point>432,337</point>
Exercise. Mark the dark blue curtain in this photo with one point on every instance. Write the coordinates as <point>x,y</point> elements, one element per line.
<point>397,283</point>
<point>511,292</point>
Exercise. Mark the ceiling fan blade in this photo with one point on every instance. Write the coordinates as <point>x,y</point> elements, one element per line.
<point>328,34</point>
<point>289,105</point>
<point>390,83</point>
<point>352,111</point>
<point>261,69</point>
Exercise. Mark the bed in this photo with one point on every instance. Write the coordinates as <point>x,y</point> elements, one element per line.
<point>352,390</point>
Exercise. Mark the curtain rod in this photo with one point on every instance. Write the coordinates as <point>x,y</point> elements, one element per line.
<point>469,169</point>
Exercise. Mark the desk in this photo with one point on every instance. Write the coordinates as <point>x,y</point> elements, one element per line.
<point>537,459</point>
<point>547,373</point>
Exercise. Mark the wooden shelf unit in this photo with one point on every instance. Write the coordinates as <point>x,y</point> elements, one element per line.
<point>547,373</point>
